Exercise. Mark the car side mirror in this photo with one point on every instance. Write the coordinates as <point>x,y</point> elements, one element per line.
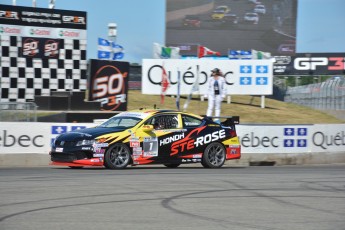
<point>147,128</point>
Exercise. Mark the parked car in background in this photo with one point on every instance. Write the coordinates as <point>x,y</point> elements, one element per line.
<point>219,12</point>
<point>260,9</point>
<point>191,21</point>
<point>251,18</point>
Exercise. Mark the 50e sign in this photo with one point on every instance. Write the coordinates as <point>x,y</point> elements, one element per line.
<point>30,48</point>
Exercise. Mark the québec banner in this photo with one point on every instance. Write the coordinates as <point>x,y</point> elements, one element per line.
<point>257,139</point>
<point>242,77</point>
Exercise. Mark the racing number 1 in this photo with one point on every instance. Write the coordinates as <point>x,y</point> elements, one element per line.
<point>150,147</point>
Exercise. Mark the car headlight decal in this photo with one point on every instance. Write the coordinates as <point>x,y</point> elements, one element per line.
<point>85,142</point>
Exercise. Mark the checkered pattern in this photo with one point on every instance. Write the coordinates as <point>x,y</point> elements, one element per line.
<point>24,78</point>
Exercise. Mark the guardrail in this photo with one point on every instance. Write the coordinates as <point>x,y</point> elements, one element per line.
<point>328,95</point>
<point>18,111</point>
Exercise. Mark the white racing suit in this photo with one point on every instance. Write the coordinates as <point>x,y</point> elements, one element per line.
<point>215,100</point>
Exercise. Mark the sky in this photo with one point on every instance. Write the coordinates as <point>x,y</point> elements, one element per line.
<point>140,23</point>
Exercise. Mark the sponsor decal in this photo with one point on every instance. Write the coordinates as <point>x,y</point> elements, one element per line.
<point>137,151</point>
<point>59,150</point>
<point>170,139</point>
<point>10,30</point>
<point>86,148</point>
<point>69,34</point>
<point>40,32</point>
<point>187,143</point>
<point>13,15</point>
<point>133,144</point>
<point>98,155</point>
<point>197,155</point>
<point>74,19</point>
<point>100,145</point>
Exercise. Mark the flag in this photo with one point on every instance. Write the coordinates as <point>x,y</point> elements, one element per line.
<point>104,49</point>
<point>178,90</point>
<point>165,84</point>
<point>240,54</point>
<point>260,55</point>
<point>204,51</point>
<point>195,88</point>
<point>162,52</point>
<point>109,50</point>
<point>117,51</point>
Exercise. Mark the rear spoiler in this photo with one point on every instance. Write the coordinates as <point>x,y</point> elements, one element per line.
<point>229,120</point>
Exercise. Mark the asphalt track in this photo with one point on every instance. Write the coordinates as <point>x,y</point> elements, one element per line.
<point>262,197</point>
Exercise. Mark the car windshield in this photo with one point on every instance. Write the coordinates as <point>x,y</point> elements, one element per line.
<point>120,122</point>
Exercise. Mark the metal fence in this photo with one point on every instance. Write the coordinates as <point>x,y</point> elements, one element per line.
<point>328,95</point>
<point>18,111</point>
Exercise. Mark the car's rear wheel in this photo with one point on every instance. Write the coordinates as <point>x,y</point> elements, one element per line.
<point>214,155</point>
<point>172,165</point>
<point>118,156</point>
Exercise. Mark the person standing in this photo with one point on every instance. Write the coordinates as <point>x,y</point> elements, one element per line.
<point>216,92</point>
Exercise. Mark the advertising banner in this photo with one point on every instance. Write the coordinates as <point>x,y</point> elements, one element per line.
<point>257,139</point>
<point>291,138</point>
<point>40,47</point>
<point>37,139</point>
<point>42,17</point>
<point>310,64</point>
<point>242,77</point>
<point>108,84</point>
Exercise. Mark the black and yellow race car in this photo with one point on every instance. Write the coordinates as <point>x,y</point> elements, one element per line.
<point>141,137</point>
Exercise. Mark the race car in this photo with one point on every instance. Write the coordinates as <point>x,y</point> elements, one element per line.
<point>142,137</point>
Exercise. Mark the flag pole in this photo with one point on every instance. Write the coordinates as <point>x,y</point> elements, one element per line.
<point>178,89</point>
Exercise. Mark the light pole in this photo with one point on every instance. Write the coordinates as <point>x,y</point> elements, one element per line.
<point>112,31</point>
<point>112,34</point>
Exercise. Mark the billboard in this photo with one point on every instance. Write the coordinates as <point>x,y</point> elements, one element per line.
<point>42,50</point>
<point>108,83</point>
<point>40,17</point>
<point>223,25</point>
<point>242,77</point>
<point>310,64</point>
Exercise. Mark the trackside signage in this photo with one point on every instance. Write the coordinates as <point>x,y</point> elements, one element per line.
<point>291,138</point>
<point>253,138</point>
<point>37,139</point>
<point>242,77</point>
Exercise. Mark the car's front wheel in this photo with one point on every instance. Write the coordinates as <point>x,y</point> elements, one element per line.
<point>214,155</point>
<point>118,156</point>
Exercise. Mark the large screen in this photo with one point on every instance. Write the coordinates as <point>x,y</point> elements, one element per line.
<point>223,25</point>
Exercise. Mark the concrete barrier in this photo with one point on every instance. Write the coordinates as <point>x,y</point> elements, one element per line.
<point>28,143</point>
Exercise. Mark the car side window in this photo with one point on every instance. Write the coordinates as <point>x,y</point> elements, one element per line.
<point>189,121</point>
<point>164,122</point>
